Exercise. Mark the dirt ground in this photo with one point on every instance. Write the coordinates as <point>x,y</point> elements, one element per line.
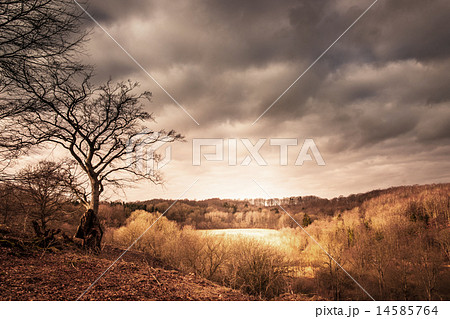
<point>65,275</point>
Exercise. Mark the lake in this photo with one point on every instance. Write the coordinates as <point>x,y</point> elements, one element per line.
<point>270,236</point>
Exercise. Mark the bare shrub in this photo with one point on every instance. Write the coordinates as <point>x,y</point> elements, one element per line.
<point>203,254</point>
<point>155,241</point>
<point>256,268</point>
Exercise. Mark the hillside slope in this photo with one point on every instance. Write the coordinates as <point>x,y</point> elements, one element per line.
<point>64,275</point>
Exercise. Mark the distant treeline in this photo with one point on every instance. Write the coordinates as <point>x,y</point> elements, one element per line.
<point>255,213</point>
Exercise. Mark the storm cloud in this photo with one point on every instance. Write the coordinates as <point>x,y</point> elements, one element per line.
<point>377,103</point>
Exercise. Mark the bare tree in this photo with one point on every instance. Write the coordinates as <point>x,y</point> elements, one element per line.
<point>37,38</point>
<point>48,98</point>
<point>101,128</point>
<point>47,194</point>
<point>428,260</point>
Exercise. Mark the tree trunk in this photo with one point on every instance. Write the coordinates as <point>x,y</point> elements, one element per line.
<point>90,229</point>
<point>95,196</point>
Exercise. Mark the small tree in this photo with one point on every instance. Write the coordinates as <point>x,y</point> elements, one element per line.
<point>306,220</point>
<point>45,187</point>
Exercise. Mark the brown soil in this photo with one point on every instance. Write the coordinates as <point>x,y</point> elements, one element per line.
<point>36,274</point>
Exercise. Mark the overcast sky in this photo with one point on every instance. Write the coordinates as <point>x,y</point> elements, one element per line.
<point>376,104</point>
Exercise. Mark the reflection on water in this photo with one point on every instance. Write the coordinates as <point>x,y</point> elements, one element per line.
<point>270,236</point>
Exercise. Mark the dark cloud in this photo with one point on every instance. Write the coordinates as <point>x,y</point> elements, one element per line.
<point>255,33</point>
<point>112,11</point>
<point>382,88</point>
